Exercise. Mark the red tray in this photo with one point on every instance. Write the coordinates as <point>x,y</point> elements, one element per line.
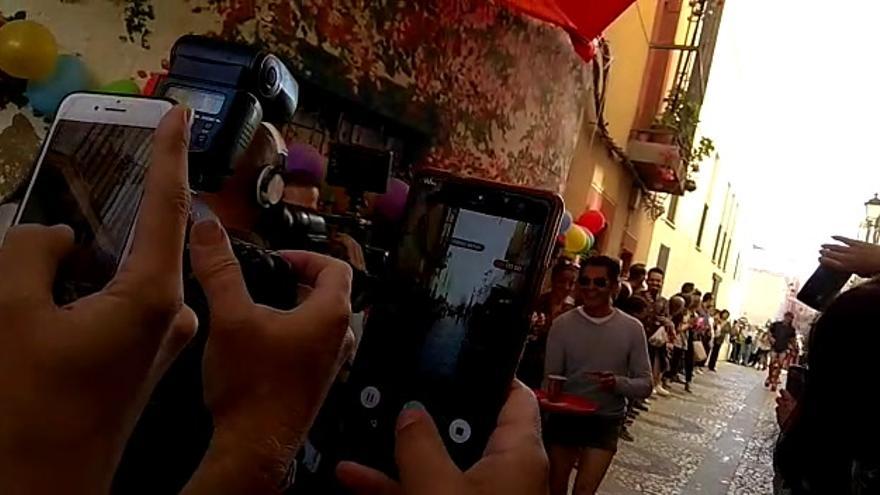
<point>566,404</point>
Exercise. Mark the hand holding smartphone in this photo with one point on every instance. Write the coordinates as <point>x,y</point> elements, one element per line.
<point>448,330</point>
<point>106,351</point>
<point>90,175</point>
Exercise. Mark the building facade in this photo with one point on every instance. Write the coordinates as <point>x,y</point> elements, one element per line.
<point>664,207</point>
<point>698,238</point>
<point>598,180</point>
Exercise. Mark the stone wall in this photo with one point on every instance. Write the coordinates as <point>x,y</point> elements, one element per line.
<point>502,94</point>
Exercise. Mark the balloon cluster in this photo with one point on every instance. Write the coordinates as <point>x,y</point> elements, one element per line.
<point>28,50</point>
<point>579,236</point>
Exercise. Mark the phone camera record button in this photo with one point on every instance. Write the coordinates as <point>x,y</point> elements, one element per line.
<point>459,431</point>
<point>370,397</point>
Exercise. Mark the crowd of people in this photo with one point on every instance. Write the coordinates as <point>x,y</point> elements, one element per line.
<point>75,379</point>
<point>620,343</point>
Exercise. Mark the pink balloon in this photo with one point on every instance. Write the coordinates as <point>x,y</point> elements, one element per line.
<point>392,204</point>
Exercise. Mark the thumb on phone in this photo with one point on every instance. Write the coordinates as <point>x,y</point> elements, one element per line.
<point>421,456</point>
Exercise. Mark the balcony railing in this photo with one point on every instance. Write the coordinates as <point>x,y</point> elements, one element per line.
<point>663,153</point>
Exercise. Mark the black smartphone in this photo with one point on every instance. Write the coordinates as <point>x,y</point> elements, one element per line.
<point>448,328</point>
<point>90,176</point>
<point>822,287</point>
<point>797,379</point>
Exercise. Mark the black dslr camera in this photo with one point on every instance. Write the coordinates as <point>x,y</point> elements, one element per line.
<point>232,88</point>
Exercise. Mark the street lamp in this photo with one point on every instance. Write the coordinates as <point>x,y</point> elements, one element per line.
<point>872,214</point>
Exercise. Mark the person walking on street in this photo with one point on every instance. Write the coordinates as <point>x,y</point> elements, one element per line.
<point>660,347</point>
<point>782,333</point>
<point>762,350</point>
<point>549,306</point>
<point>706,327</point>
<point>722,332</point>
<point>736,341</point>
<point>677,345</point>
<point>654,283</point>
<point>748,342</point>
<point>603,354</point>
<point>639,308</point>
<point>659,319</point>
<point>683,351</point>
<point>633,284</point>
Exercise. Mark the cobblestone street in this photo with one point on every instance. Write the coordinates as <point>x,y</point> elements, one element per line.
<point>717,440</point>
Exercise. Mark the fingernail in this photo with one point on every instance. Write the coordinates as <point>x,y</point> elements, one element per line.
<point>206,232</point>
<point>199,210</point>
<point>412,412</point>
<point>188,115</point>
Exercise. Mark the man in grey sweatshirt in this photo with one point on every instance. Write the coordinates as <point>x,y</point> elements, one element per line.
<point>604,355</point>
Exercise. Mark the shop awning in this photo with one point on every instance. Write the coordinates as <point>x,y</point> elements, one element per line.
<point>583,19</point>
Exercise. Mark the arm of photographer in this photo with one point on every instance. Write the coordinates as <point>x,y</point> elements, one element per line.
<point>74,379</point>
<point>266,372</point>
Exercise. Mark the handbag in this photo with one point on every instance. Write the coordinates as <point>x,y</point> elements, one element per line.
<point>659,339</point>
<point>699,352</point>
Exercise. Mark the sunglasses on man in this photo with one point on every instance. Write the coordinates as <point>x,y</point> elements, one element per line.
<point>600,282</point>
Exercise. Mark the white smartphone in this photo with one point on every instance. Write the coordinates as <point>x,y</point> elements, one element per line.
<point>90,176</point>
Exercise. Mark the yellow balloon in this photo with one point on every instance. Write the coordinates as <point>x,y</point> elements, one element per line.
<point>575,239</point>
<point>27,50</point>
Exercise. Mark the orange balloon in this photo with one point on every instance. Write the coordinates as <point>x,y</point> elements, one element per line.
<point>27,50</point>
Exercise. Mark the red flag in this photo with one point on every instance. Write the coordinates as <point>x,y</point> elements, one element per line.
<point>583,19</point>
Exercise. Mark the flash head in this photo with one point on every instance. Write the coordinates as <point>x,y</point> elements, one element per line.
<point>231,88</point>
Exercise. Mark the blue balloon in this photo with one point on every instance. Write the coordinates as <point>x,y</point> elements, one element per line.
<point>70,75</point>
<point>566,222</point>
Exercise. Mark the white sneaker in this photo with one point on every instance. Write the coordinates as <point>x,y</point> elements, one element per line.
<point>662,392</point>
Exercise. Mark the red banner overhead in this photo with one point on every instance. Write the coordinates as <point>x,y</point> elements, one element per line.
<point>583,19</point>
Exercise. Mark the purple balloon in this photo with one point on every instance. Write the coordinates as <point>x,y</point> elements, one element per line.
<point>307,162</point>
<point>392,204</point>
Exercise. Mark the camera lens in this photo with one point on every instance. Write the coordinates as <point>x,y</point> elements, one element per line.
<point>272,75</point>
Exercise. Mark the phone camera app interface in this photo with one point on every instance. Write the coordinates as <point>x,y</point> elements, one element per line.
<point>457,315</point>
<point>474,281</point>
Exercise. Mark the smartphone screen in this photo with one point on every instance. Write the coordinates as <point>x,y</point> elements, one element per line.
<point>91,178</point>
<point>449,328</point>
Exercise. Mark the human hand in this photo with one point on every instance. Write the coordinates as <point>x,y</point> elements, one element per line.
<point>353,251</point>
<point>785,405</point>
<point>514,461</point>
<point>853,256</point>
<point>608,382</point>
<point>265,372</point>
<point>74,379</point>
<point>605,379</point>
